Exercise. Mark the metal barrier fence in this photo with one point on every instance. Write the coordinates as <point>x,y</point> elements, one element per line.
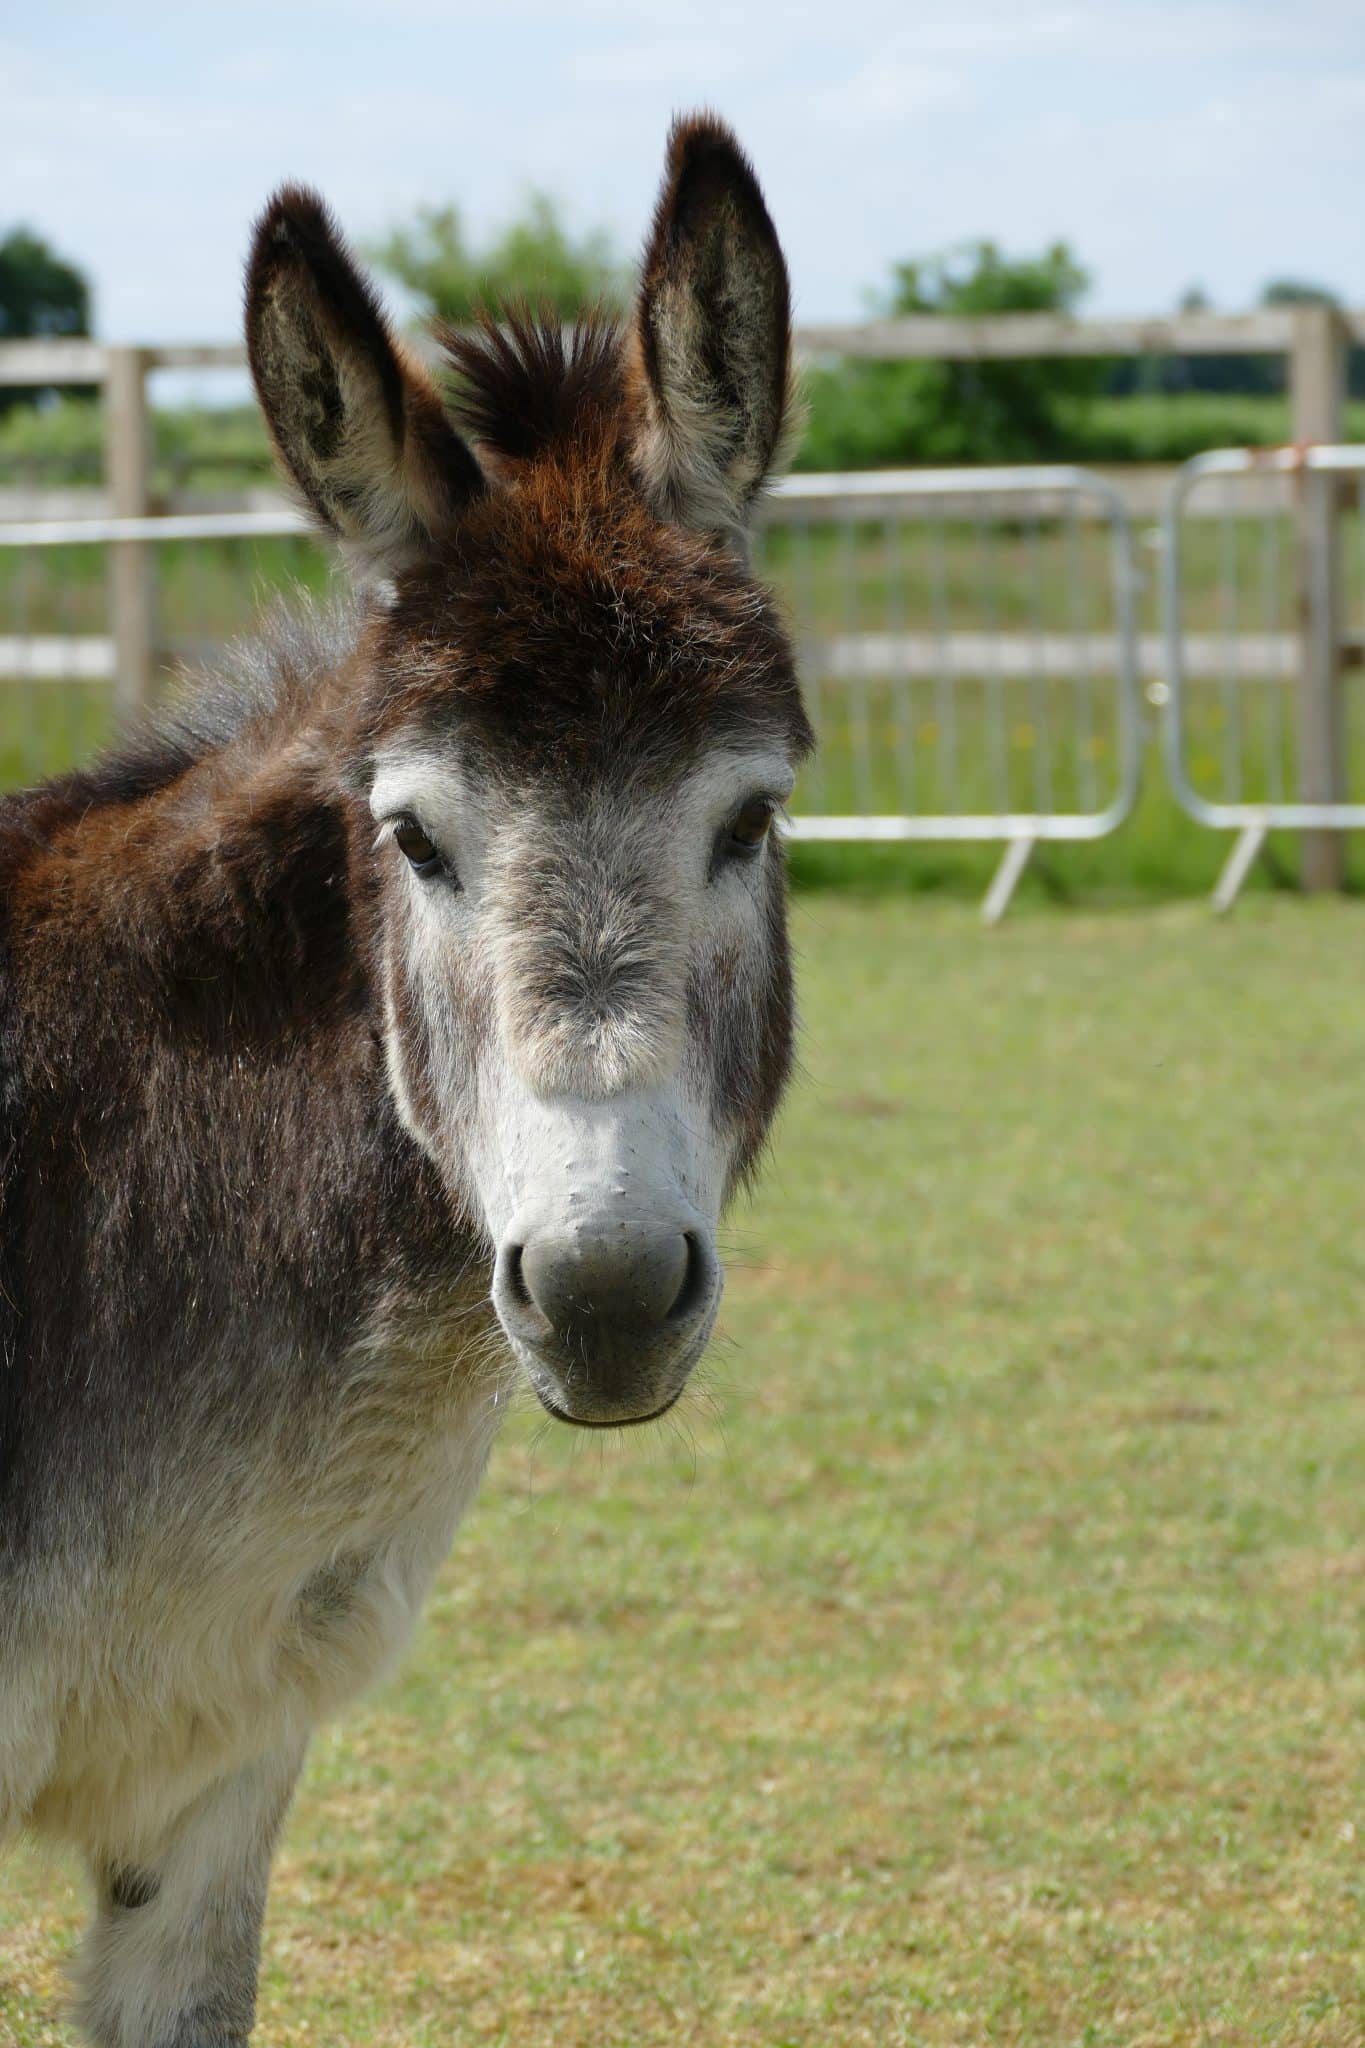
<point>966,639</point>
<point>967,642</point>
<point>1260,725</point>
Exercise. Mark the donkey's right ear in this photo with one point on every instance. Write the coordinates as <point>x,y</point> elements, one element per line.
<point>357,423</point>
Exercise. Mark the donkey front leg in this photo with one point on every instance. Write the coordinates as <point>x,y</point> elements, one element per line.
<point>172,1957</point>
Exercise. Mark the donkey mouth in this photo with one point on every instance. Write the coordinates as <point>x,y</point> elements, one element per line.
<point>606,1421</point>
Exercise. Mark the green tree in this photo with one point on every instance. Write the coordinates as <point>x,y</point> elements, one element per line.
<point>868,414</point>
<point>1295,291</point>
<point>41,294</point>
<point>534,257</point>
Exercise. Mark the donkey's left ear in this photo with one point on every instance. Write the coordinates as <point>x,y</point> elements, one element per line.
<point>356,421</point>
<point>713,335</point>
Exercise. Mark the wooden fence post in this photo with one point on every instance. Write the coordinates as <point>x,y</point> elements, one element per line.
<point>1317,384</point>
<point>127,458</point>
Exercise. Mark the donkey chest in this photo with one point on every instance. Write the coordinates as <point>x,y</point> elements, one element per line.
<point>334,1547</point>
<point>235,1639</point>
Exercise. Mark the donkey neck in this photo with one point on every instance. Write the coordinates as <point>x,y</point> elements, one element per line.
<point>211,1206</point>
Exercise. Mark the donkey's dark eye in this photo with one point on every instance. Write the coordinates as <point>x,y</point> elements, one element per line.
<point>413,842</point>
<point>750,827</point>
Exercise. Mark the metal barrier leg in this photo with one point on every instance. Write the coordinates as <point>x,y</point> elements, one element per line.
<point>1006,880</point>
<point>1237,866</point>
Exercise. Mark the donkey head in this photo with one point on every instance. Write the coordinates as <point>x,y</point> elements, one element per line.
<point>574,719</point>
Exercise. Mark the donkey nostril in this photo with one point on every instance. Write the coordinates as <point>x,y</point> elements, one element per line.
<point>696,1280</point>
<point>513,1277</point>
<point>610,1287</point>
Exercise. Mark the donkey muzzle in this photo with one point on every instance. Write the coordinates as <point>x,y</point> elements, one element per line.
<point>610,1315</point>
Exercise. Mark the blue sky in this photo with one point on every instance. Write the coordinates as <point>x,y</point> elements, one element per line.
<point>1171,142</point>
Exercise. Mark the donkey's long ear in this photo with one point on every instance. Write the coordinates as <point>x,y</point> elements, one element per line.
<point>713,334</point>
<point>357,423</point>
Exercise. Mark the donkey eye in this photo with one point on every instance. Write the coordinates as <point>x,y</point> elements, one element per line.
<point>414,844</point>
<point>750,827</point>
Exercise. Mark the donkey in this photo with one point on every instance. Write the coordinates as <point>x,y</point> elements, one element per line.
<point>390,1028</point>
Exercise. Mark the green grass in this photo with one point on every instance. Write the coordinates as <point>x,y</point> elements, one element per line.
<point>981,1662</point>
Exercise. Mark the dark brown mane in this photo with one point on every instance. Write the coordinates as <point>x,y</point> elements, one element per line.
<point>524,386</point>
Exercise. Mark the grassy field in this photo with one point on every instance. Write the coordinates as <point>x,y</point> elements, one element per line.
<point>980,1660</point>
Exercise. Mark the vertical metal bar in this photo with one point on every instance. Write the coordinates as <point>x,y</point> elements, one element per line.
<point>1123,588</point>
<point>903,694</point>
<point>812,674</point>
<point>1228,651</point>
<point>1082,654</point>
<point>68,729</point>
<point>1275,681</point>
<point>945,682</point>
<point>860,735</point>
<point>27,653</point>
<point>1351,683</point>
<point>200,625</point>
<point>1038,681</point>
<point>997,737</point>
